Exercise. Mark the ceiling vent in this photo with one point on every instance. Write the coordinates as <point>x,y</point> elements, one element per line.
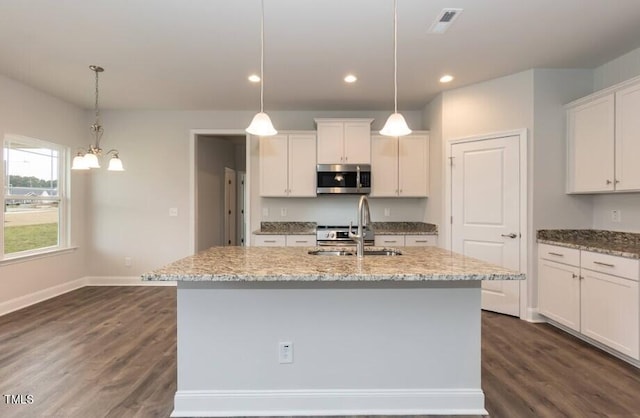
<point>444,20</point>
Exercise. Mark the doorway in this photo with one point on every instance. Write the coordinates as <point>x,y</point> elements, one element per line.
<point>488,198</point>
<point>219,161</point>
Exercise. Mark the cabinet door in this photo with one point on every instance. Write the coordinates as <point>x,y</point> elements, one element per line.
<point>269,241</point>
<point>628,138</point>
<point>384,166</point>
<point>559,293</point>
<point>357,142</point>
<point>421,240</point>
<point>302,165</point>
<point>413,166</point>
<point>389,240</point>
<point>591,141</point>
<point>610,311</point>
<point>273,166</point>
<point>330,143</point>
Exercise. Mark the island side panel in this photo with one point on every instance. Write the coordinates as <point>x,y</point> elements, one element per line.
<point>357,349</point>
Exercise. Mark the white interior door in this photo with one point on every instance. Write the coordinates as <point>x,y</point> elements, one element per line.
<point>485,205</point>
<point>229,206</point>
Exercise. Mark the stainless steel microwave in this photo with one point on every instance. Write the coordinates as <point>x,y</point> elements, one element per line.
<point>343,179</point>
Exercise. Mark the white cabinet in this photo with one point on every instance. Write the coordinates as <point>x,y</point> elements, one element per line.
<point>300,240</point>
<point>288,165</point>
<point>602,140</point>
<point>400,166</point>
<point>269,241</point>
<point>405,240</point>
<point>592,293</point>
<point>284,241</point>
<point>344,141</point>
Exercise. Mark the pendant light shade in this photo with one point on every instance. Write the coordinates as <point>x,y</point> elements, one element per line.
<point>261,124</point>
<point>115,164</point>
<point>395,125</point>
<point>91,160</point>
<point>79,163</point>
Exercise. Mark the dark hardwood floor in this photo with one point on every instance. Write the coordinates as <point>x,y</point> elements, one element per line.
<point>111,352</point>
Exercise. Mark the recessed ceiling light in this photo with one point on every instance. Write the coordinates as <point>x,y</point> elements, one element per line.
<point>254,78</point>
<point>350,78</point>
<point>446,78</point>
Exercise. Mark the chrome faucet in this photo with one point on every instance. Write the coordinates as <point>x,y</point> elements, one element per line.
<point>364,219</point>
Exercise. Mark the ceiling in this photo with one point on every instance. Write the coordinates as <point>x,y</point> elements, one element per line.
<point>197,54</point>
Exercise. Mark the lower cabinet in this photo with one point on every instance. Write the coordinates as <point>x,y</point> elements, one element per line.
<point>284,241</point>
<point>406,240</point>
<point>576,289</point>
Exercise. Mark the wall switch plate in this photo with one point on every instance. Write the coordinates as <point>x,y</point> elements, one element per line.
<point>173,211</point>
<point>283,212</point>
<point>387,212</point>
<point>265,212</point>
<point>128,261</point>
<point>285,352</point>
<point>616,215</point>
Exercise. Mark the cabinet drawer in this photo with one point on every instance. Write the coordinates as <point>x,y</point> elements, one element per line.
<point>269,240</point>
<point>388,240</point>
<point>610,264</point>
<point>563,255</point>
<point>420,240</point>
<point>301,240</point>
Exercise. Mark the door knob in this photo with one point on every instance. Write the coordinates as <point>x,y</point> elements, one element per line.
<point>512,235</point>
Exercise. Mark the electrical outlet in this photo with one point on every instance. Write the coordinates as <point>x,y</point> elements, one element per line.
<point>128,261</point>
<point>387,212</point>
<point>616,215</point>
<point>285,352</point>
<point>173,211</point>
<point>283,212</point>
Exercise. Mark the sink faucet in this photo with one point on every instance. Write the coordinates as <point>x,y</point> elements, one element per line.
<point>364,219</point>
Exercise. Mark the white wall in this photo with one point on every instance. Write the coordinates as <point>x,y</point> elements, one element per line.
<point>617,70</point>
<point>130,215</point>
<point>29,112</point>
<point>432,117</point>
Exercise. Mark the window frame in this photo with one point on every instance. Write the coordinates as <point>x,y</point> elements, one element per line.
<point>62,198</point>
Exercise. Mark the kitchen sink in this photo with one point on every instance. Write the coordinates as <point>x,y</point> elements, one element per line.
<point>367,252</point>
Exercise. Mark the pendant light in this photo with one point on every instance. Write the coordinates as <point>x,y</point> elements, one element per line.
<point>90,159</point>
<point>261,124</point>
<point>395,125</point>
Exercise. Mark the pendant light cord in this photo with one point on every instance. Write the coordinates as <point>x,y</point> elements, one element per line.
<point>262,58</point>
<point>97,109</point>
<point>395,56</point>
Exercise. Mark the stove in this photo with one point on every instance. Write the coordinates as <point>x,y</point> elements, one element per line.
<point>331,235</point>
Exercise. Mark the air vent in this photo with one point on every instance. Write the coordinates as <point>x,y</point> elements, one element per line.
<point>444,20</point>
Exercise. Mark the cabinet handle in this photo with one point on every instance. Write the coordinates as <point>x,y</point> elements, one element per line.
<point>421,240</point>
<point>574,276</point>
<point>581,277</point>
<point>270,241</point>
<point>608,181</point>
<point>301,242</point>
<point>556,254</point>
<point>616,181</point>
<point>346,158</point>
<point>603,264</point>
<point>389,241</point>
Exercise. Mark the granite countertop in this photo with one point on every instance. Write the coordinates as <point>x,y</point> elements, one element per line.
<point>380,228</point>
<point>404,228</point>
<point>287,228</point>
<point>280,264</point>
<point>622,244</point>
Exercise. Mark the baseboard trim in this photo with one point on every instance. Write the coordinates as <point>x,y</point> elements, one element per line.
<point>124,281</point>
<point>51,292</point>
<point>40,296</point>
<point>534,317</point>
<point>329,402</point>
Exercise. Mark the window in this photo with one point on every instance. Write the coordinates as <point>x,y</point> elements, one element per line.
<point>35,197</point>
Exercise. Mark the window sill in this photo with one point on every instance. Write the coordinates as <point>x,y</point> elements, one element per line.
<point>43,254</point>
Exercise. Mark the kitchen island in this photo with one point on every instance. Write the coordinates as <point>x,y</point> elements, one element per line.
<point>277,331</point>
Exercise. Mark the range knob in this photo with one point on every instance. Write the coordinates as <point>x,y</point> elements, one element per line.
<point>332,235</point>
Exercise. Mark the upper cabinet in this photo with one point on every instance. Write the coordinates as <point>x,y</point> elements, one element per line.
<point>603,133</point>
<point>400,166</point>
<point>344,141</point>
<point>288,165</point>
